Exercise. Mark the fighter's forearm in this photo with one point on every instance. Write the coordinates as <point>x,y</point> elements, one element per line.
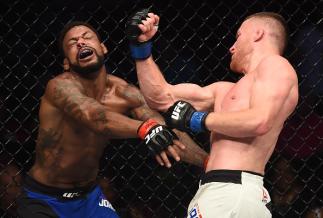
<point>113,125</point>
<point>193,153</point>
<point>153,84</point>
<point>246,123</point>
<point>66,96</point>
<point>144,113</point>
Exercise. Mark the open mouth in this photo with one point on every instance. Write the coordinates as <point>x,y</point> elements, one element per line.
<point>84,53</point>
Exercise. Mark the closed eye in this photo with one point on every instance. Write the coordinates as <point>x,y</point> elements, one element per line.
<point>237,35</point>
<point>72,42</point>
<point>87,35</point>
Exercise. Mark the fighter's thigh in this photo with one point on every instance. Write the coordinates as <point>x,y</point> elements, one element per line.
<point>214,200</point>
<point>252,209</point>
<point>253,203</point>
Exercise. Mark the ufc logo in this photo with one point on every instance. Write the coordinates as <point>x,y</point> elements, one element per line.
<point>177,110</point>
<point>71,194</point>
<point>153,133</point>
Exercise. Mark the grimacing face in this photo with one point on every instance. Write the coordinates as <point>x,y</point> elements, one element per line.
<point>83,50</point>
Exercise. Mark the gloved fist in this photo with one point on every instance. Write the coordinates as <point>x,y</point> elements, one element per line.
<point>132,29</point>
<point>183,116</point>
<point>141,49</point>
<point>157,137</point>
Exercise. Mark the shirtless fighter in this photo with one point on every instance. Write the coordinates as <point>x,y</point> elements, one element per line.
<point>245,118</point>
<point>80,111</point>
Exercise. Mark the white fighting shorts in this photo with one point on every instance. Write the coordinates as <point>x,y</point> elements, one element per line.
<point>230,193</point>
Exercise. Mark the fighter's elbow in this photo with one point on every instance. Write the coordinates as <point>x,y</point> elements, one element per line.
<point>263,127</point>
<point>96,122</point>
<point>152,102</point>
<point>159,102</point>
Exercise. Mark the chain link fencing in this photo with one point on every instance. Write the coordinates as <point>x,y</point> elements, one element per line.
<point>191,46</point>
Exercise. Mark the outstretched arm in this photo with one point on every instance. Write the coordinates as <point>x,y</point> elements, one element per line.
<point>273,96</point>
<point>158,93</point>
<point>67,95</point>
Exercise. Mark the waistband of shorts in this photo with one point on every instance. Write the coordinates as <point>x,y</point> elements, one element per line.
<point>230,176</point>
<point>62,193</point>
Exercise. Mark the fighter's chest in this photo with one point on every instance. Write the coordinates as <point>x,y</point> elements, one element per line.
<point>114,100</point>
<point>238,97</point>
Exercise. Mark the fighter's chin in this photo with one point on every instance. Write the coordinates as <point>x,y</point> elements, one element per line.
<point>87,70</point>
<point>233,67</point>
<point>88,60</point>
<point>89,67</point>
<point>87,63</point>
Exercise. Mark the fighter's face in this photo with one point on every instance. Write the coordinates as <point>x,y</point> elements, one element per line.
<point>242,47</point>
<point>83,50</point>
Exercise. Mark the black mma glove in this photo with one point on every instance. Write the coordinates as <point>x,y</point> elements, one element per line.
<point>157,137</point>
<point>139,50</point>
<point>183,116</point>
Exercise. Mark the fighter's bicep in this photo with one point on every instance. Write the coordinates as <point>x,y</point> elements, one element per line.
<point>202,98</point>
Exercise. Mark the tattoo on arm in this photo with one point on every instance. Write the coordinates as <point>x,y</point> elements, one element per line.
<point>131,92</point>
<point>101,120</point>
<point>141,110</point>
<point>74,102</point>
<point>70,98</point>
<point>143,113</point>
<point>48,138</point>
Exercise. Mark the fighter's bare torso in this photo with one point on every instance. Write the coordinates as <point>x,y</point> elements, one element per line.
<point>248,153</point>
<point>68,153</point>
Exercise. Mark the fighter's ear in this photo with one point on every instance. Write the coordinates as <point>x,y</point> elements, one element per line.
<point>258,34</point>
<point>66,65</point>
<point>104,48</point>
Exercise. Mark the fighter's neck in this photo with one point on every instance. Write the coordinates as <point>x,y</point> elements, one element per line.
<point>254,59</point>
<point>95,85</point>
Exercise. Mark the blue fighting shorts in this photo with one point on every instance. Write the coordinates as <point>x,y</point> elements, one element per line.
<point>40,201</point>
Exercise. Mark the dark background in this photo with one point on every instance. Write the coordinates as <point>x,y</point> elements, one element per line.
<point>191,46</point>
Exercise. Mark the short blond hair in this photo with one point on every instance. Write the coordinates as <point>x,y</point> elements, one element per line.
<point>278,27</point>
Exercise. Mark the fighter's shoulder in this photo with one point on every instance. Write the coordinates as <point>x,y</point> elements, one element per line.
<point>63,82</point>
<point>66,78</point>
<point>273,59</point>
<point>276,64</point>
<point>121,85</point>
